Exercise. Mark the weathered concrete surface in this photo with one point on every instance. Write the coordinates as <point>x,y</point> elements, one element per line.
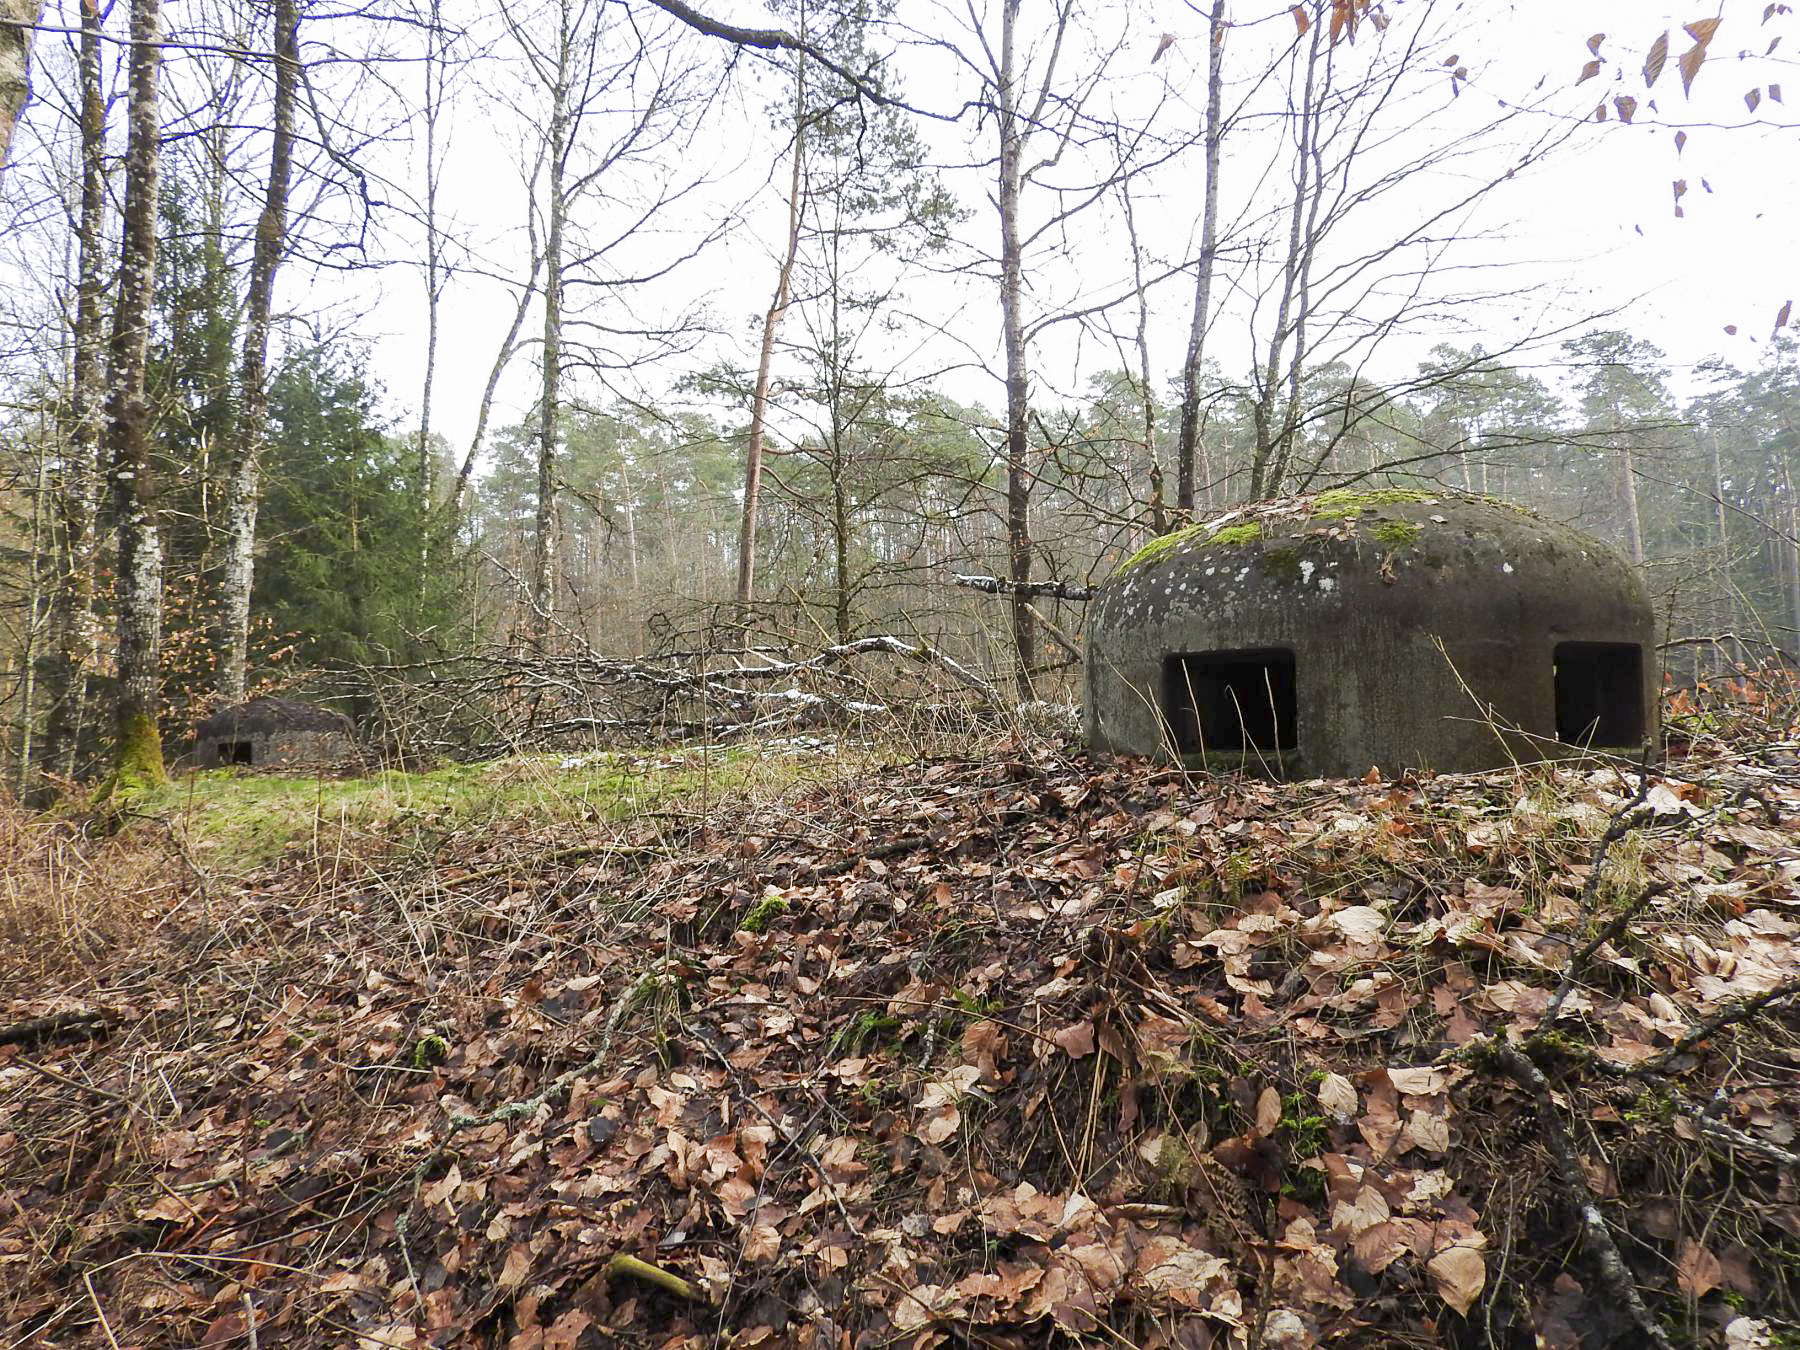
<point>276,733</point>
<point>1424,631</point>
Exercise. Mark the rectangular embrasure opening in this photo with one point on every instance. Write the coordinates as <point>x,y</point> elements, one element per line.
<point>1599,693</point>
<point>1230,700</point>
<point>236,752</point>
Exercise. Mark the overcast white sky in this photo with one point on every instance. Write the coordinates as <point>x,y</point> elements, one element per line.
<point>1590,229</point>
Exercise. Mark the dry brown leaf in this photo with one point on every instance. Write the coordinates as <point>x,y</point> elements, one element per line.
<point>516,1268</point>
<point>1076,1041</point>
<point>1459,1273</point>
<point>1337,1097</point>
<point>1268,1113</point>
<point>1654,59</point>
<point>1697,1270</point>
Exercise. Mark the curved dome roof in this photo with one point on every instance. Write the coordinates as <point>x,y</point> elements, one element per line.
<point>1393,628</point>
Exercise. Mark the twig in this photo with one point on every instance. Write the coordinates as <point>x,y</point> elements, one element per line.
<point>1059,590</point>
<point>87,1281</point>
<point>69,1025</point>
<point>75,1083</point>
<point>663,1279</point>
<point>1737,1010</point>
<point>1612,930</point>
<point>1615,1275</point>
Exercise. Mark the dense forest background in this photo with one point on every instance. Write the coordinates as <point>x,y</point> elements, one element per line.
<point>727,417</point>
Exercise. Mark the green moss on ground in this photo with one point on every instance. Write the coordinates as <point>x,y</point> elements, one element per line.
<point>763,912</point>
<point>237,821</point>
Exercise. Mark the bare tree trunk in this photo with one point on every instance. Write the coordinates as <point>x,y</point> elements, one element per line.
<point>1263,478</point>
<point>1018,376</point>
<point>759,398</point>
<point>243,487</point>
<point>840,533</point>
<point>1189,452</point>
<point>502,358</point>
<point>1723,606</point>
<point>1628,499</point>
<point>1153,465</point>
<point>20,17</point>
<point>434,282</point>
<point>76,640</point>
<point>138,751</point>
<point>543,576</point>
<point>36,595</point>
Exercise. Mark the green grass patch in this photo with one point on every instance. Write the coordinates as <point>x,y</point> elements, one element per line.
<point>237,820</point>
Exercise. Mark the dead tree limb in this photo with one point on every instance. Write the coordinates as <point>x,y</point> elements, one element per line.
<point>1057,590</point>
<point>1615,1276</point>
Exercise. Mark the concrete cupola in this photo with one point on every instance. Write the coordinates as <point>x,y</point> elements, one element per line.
<point>1322,636</point>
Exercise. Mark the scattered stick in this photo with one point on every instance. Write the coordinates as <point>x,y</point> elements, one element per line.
<point>1615,1276</point>
<point>1058,590</point>
<point>68,1026</point>
<point>1612,930</point>
<point>656,1275</point>
<point>1737,1010</point>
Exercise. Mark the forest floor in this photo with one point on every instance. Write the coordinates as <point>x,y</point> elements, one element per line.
<point>1020,1048</point>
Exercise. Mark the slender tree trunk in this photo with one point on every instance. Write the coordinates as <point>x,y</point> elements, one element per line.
<point>543,576</point>
<point>1189,452</point>
<point>1018,377</point>
<point>502,358</point>
<point>1628,498</point>
<point>434,284</point>
<point>840,534</point>
<point>138,751</point>
<point>1146,390</point>
<point>20,17</point>
<point>76,640</point>
<point>244,486</point>
<point>35,616</point>
<point>1263,478</point>
<point>759,398</point>
<point>1723,603</point>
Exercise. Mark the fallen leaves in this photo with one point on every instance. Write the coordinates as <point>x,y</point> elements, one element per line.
<point>1101,1050</point>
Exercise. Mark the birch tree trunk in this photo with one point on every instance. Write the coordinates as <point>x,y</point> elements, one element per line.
<point>1018,376</point>
<point>1189,453</point>
<point>20,18</point>
<point>243,487</point>
<point>759,399</point>
<point>138,755</point>
<point>75,638</point>
<point>543,574</point>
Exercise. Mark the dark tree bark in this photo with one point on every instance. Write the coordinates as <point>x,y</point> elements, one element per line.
<point>138,755</point>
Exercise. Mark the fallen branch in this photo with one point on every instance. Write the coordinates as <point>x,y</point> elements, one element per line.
<point>1057,590</point>
<point>71,1026</point>
<point>656,1275</point>
<point>1615,1276</point>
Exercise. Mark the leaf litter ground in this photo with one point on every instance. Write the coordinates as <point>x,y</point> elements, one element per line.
<point>1015,1050</point>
